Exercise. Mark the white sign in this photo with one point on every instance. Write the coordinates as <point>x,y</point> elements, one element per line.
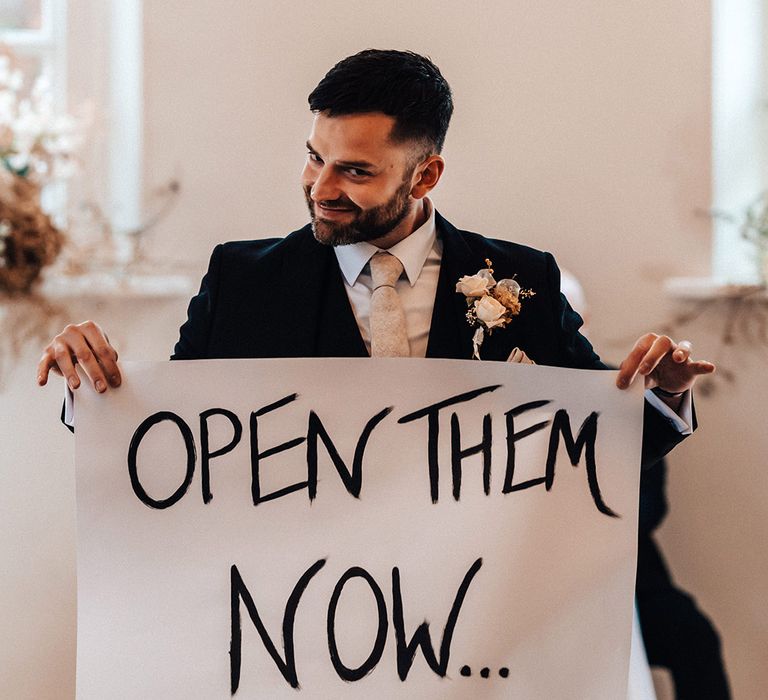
<point>356,528</point>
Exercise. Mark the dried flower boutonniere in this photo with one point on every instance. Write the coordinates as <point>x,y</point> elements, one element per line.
<point>491,304</point>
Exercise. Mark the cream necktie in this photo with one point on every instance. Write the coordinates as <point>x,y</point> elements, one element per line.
<point>388,335</point>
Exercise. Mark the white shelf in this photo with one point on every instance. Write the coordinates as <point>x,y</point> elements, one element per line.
<point>106,285</point>
<point>708,288</point>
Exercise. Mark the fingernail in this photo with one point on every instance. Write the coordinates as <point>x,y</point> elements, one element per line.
<point>73,383</point>
<point>115,380</point>
<point>679,355</point>
<point>100,386</point>
<point>644,368</point>
<point>622,383</point>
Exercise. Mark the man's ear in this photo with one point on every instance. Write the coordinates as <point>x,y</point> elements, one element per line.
<point>427,175</point>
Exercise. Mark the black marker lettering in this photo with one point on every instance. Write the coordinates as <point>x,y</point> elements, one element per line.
<point>458,455</point>
<point>205,455</point>
<point>344,672</point>
<point>433,422</point>
<point>257,456</point>
<point>513,437</point>
<point>584,442</point>
<point>238,592</point>
<point>189,444</point>
<point>353,482</point>
<point>406,651</point>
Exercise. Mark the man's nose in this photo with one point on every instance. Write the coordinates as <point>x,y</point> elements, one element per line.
<point>325,187</point>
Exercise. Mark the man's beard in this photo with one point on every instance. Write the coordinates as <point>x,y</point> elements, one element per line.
<point>366,225</point>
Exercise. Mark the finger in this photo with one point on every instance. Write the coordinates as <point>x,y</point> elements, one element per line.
<point>631,363</point>
<point>62,356</point>
<point>682,352</point>
<point>112,347</point>
<point>661,347</point>
<point>104,353</point>
<point>701,367</point>
<point>43,368</point>
<point>47,364</point>
<point>87,360</point>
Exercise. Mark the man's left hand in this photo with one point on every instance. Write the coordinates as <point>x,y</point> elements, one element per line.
<point>664,364</point>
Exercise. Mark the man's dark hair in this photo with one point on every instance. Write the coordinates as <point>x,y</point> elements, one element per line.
<point>401,84</point>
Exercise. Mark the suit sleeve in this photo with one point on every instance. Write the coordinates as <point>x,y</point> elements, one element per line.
<point>194,334</point>
<point>574,349</point>
<point>659,433</point>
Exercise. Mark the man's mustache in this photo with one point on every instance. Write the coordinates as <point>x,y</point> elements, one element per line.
<point>331,203</point>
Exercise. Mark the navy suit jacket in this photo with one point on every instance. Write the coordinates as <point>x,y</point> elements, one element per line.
<point>285,297</point>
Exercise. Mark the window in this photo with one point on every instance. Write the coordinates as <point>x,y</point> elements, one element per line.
<point>36,31</point>
<point>739,128</point>
<point>91,52</point>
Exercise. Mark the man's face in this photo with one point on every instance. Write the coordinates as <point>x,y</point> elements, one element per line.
<point>356,182</point>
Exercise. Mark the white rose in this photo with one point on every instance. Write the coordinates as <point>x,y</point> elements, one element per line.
<point>473,285</point>
<point>490,311</point>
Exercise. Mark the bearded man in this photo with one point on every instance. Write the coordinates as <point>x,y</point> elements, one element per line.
<point>373,157</point>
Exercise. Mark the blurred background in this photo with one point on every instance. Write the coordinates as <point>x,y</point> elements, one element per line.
<point>627,138</point>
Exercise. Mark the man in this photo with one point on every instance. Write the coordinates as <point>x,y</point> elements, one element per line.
<point>373,156</point>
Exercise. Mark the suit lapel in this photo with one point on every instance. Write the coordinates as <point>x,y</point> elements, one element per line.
<point>322,324</point>
<point>450,335</point>
<point>337,332</point>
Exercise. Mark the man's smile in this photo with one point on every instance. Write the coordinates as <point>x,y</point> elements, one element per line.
<point>332,212</point>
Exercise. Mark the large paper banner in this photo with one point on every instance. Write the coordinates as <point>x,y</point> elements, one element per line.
<point>356,528</point>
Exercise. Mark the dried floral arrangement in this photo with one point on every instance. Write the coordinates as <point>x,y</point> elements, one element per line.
<point>37,146</point>
<point>28,239</point>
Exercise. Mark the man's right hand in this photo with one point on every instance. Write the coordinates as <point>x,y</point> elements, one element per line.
<point>84,344</point>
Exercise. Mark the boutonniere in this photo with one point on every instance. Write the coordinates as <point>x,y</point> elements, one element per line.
<point>490,304</point>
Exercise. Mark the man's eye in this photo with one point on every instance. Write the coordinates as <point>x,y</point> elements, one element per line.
<point>314,157</point>
<point>356,172</point>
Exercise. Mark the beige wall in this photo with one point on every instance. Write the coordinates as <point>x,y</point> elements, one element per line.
<point>582,128</point>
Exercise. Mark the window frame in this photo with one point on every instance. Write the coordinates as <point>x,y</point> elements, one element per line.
<point>93,54</point>
<point>739,132</point>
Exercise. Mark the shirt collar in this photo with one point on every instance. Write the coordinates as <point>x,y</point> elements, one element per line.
<point>412,251</point>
